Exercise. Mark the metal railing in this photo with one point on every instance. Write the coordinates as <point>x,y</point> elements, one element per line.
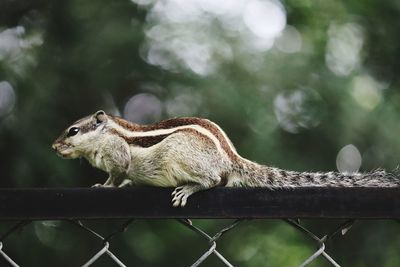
<point>130,204</point>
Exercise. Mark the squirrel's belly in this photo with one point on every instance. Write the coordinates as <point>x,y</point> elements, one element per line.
<point>171,176</point>
<point>163,178</point>
<point>163,181</point>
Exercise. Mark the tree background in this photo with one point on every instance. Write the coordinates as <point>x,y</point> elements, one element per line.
<point>301,85</point>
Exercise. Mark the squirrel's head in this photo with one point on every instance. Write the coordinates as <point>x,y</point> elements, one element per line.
<point>80,136</point>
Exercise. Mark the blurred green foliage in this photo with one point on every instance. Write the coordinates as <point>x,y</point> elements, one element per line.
<point>302,85</point>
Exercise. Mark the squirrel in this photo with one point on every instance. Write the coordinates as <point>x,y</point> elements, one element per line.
<point>190,154</point>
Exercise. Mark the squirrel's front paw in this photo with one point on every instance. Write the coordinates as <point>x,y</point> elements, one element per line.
<point>97,185</point>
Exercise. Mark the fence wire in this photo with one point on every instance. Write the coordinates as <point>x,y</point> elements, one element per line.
<point>211,240</point>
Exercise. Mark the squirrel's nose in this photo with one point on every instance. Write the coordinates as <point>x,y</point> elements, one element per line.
<point>55,146</point>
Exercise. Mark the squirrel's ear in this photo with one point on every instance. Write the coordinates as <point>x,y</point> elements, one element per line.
<point>100,116</point>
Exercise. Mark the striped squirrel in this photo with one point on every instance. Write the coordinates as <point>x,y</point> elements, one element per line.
<point>190,154</point>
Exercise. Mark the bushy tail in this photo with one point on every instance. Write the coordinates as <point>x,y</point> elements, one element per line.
<point>254,175</point>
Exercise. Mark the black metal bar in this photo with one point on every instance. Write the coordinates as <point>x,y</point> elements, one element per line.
<point>145,202</point>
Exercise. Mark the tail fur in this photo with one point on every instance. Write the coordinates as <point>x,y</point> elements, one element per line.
<point>250,174</point>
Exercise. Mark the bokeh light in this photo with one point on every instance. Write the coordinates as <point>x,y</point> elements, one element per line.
<point>343,51</point>
<point>143,108</point>
<point>298,109</point>
<point>15,45</point>
<point>348,159</point>
<point>183,104</point>
<point>367,91</point>
<point>189,34</point>
<point>7,98</point>
<point>266,19</point>
<point>290,41</point>
<point>10,41</point>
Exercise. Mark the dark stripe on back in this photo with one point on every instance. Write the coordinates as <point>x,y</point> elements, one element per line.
<point>148,141</point>
<point>145,141</point>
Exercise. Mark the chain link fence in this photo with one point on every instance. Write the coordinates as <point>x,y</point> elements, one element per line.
<point>103,241</point>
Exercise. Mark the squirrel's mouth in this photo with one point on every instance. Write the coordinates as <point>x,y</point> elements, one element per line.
<point>63,150</point>
<point>64,154</point>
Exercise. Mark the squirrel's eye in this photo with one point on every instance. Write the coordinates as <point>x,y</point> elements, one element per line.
<point>73,131</point>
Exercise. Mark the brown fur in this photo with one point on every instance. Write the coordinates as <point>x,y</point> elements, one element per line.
<point>171,123</point>
<point>148,141</point>
<point>144,141</point>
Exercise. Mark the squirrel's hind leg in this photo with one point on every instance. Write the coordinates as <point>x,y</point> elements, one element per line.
<point>182,193</point>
